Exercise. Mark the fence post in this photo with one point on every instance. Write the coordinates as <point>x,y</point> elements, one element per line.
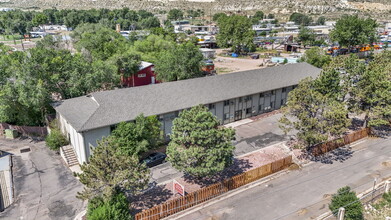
<point>388,183</point>
<point>341,213</point>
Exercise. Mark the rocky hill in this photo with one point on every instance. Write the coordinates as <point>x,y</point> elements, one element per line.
<point>377,8</point>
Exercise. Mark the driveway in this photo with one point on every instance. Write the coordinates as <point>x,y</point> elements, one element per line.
<point>250,136</point>
<point>44,187</point>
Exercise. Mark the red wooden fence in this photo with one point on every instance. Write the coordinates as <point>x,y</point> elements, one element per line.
<point>176,205</point>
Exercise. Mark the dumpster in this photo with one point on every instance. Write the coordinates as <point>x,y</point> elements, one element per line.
<point>11,133</point>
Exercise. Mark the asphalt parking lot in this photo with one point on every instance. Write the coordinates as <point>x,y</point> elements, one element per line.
<point>250,136</point>
<point>44,187</point>
<point>258,134</point>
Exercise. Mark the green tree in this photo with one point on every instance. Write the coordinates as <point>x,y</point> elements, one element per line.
<point>110,172</point>
<point>150,22</point>
<point>329,84</point>
<point>373,91</point>
<point>56,139</point>
<point>257,17</point>
<point>179,63</point>
<point>347,199</point>
<point>49,42</point>
<point>175,15</point>
<point>101,42</point>
<point>135,138</point>
<point>217,16</point>
<point>350,30</point>
<point>151,48</point>
<point>199,146</point>
<point>306,36</point>
<point>128,63</point>
<point>236,32</point>
<point>40,19</point>
<point>316,56</point>
<point>300,19</point>
<point>315,116</point>
<point>321,20</point>
<point>114,208</point>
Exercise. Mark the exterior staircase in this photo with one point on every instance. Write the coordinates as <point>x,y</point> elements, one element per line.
<point>68,154</point>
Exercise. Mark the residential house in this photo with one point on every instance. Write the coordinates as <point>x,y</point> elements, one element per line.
<point>145,76</point>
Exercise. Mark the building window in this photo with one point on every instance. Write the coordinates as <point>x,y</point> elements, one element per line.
<point>249,98</point>
<point>112,128</point>
<point>282,101</point>
<point>240,99</point>
<point>272,105</point>
<point>273,92</point>
<point>226,116</point>
<point>267,94</point>
<point>260,108</point>
<point>226,102</point>
<point>248,111</point>
<point>211,106</point>
<point>141,75</point>
<point>261,95</point>
<point>283,89</point>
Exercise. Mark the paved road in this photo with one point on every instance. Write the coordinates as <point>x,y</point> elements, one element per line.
<point>304,194</point>
<point>249,137</point>
<point>44,187</point>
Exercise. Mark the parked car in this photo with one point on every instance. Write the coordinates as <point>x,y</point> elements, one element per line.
<point>154,159</point>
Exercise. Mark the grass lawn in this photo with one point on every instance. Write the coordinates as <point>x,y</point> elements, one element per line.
<point>4,37</point>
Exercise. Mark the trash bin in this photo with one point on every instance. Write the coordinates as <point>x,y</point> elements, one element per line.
<point>11,133</point>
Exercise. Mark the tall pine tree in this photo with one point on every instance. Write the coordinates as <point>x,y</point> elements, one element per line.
<point>198,145</point>
<point>109,172</point>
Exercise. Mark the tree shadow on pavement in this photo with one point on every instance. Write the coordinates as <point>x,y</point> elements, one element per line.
<point>357,124</point>
<point>338,155</point>
<point>382,131</point>
<point>151,197</point>
<point>264,140</point>
<point>239,166</point>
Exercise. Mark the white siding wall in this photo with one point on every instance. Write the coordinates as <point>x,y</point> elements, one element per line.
<point>76,139</point>
<point>92,136</point>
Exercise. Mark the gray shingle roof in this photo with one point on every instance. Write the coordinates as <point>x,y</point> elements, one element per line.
<point>106,108</point>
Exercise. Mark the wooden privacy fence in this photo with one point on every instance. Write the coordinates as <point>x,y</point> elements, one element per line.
<point>176,205</point>
<point>31,131</point>
<point>322,148</point>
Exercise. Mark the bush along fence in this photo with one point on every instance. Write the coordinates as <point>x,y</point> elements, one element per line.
<point>176,205</point>
<point>325,147</point>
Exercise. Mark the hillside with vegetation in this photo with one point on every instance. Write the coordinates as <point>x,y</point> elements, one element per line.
<point>378,8</point>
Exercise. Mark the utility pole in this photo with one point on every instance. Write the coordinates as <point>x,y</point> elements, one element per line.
<point>21,41</point>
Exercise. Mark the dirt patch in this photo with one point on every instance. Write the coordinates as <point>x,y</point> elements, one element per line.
<point>294,167</point>
<point>302,212</point>
<point>386,164</point>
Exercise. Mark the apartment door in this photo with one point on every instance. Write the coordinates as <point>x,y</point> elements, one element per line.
<point>238,115</point>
